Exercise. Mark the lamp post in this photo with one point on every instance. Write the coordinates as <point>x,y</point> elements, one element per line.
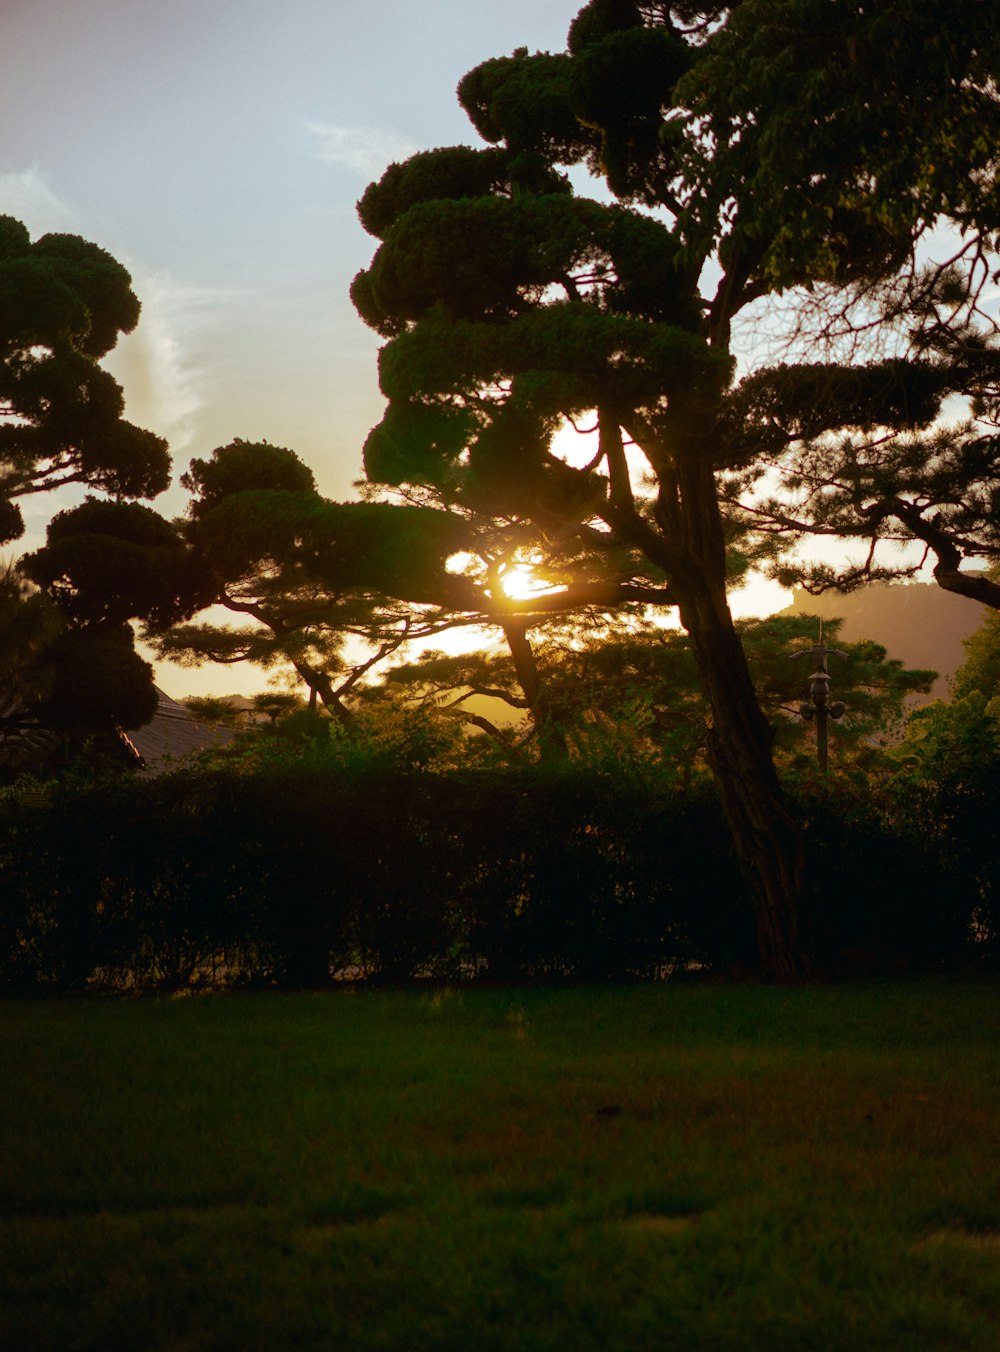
<point>819,705</point>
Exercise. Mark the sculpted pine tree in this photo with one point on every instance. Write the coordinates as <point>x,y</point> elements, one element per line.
<point>301,577</point>
<point>63,304</point>
<point>510,304</point>
<point>299,574</point>
<point>309,575</point>
<point>890,110</point>
<point>65,687</point>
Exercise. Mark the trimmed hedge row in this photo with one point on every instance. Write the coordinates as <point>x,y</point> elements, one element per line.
<point>300,873</point>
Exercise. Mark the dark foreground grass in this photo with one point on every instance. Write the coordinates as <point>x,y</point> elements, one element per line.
<point>649,1168</point>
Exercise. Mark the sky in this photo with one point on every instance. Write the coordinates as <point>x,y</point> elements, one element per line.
<point>217,148</point>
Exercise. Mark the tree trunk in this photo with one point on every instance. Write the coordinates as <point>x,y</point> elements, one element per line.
<point>766,839</point>
<point>320,685</point>
<point>551,737</point>
<point>688,543</point>
<point>768,842</point>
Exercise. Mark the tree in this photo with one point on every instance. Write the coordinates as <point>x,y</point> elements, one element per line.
<point>64,685</point>
<point>29,624</point>
<point>981,668</point>
<point>306,576</point>
<point>254,522</point>
<point>327,590</point>
<point>510,305</point>
<point>632,690</point>
<point>844,130</point>
<point>948,775</point>
<point>920,156</point>
<point>63,304</point>
<point>219,711</point>
<point>252,545</point>
<point>930,483</point>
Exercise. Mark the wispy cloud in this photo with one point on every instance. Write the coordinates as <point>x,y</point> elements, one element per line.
<point>159,363</point>
<point>27,195</point>
<point>364,150</point>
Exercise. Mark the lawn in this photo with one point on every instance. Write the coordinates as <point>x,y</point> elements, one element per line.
<point>656,1167</point>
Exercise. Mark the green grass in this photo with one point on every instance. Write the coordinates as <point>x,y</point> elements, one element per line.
<point>675,1167</point>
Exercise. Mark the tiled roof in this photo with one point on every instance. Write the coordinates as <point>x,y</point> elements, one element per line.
<point>173,733</point>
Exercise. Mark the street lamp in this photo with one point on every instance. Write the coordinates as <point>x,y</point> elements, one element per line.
<point>819,705</point>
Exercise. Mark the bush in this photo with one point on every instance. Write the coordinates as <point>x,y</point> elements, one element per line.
<point>581,876</point>
<point>879,896</point>
<point>295,869</point>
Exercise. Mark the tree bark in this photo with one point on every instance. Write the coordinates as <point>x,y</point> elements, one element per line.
<point>766,839</point>
<point>320,684</point>
<point>551,737</point>
<point>688,542</point>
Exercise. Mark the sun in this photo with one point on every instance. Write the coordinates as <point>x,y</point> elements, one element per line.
<point>521,583</point>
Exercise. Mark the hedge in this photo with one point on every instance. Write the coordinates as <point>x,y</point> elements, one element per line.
<point>299,874</point>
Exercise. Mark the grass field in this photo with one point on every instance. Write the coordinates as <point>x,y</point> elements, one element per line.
<point>663,1167</point>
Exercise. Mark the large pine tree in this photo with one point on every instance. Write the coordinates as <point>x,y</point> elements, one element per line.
<point>747,150</point>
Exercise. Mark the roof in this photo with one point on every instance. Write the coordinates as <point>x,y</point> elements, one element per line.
<point>173,733</point>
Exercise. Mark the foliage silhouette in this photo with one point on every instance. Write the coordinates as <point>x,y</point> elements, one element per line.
<point>285,864</point>
<point>510,305</point>
<point>63,304</point>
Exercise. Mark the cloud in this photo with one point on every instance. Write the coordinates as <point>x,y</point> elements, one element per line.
<point>25,194</point>
<point>364,150</point>
<point>160,364</point>
<point>162,390</point>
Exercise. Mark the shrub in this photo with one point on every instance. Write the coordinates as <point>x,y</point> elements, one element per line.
<point>291,870</point>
